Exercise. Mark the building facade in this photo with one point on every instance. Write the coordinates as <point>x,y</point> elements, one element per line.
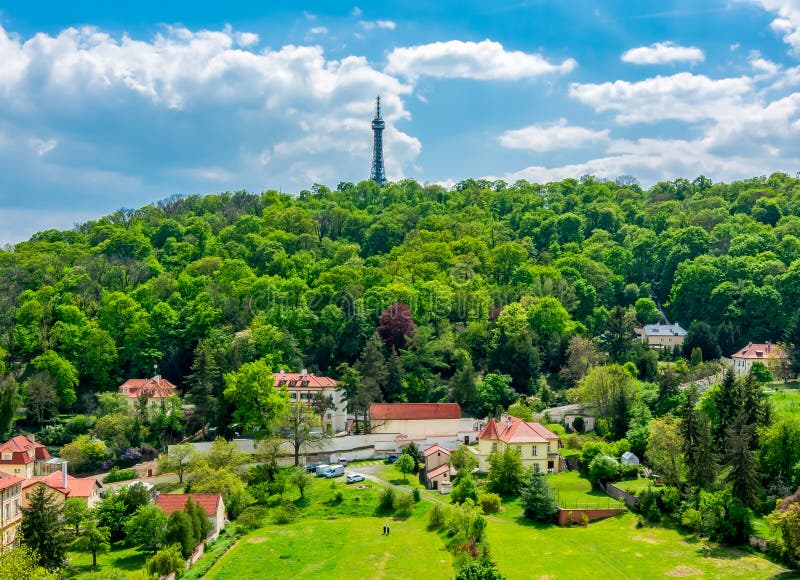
<point>304,387</point>
<point>773,357</point>
<point>23,457</point>
<point>538,446</point>
<point>663,336</point>
<point>63,486</point>
<point>156,390</point>
<point>437,466</point>
<point>415,419</point>
<point>10,509</point>
<point>211,503</point>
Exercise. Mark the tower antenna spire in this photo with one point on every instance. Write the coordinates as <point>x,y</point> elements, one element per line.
<point>377,174</point>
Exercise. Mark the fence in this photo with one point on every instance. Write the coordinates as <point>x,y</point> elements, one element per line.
<point>567,517</point>
<point>622,495</point>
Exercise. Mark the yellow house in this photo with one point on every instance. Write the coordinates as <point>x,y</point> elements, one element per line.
<point>538,446</point>
<point>10,509</point>
<point>62,486</point>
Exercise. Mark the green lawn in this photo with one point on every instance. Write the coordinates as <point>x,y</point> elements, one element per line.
<point>638,486</point>
<point>391,474</point>
<point>574,491</point>
<point>122,559</point>
<point>785,401</point>
<point>612,548</point>
<point>347,548</point>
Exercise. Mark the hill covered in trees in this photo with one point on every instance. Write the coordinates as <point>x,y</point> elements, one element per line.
<point>485,279</point>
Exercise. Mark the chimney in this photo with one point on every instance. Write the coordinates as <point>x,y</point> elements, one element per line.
<point>64,475</point>
<point>31,438</point>
<point>303,373</point>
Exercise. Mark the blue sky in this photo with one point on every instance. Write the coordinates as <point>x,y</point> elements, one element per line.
<point>108,105</point>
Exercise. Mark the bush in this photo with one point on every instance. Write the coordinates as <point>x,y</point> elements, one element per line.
<point>416,495</point>
<point>404,505</point>
<point>436,517</point>
<point>166,561</point>
<point>130,457</point>
<point>465,489</point>
<point>628,471</point>
<point>252,517</point>
<point>387,499</point>
<point>490,503</point>
<point>573,441</point>
<point>284,514</point>
<point>602,469</point>
<point>117,474</point>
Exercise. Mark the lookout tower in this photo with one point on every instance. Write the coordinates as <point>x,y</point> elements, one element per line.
<point>377,175</point>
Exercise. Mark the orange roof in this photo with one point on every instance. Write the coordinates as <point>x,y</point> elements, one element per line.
<point>172,502</point>
<point>155,388</point>
<point>514,430</point>
<point>291,380</point>
<point>433,449</point>
<point>20,448</point>
<point>389,411</point>
<point>76,486</point>
<point>438,470</point>
<point>760,352</point>
<point>8,480</point>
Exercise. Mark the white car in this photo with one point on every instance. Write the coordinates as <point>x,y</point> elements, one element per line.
<point>354,477</point>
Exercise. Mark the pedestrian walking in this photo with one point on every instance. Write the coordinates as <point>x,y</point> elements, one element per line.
<point>387,530</point>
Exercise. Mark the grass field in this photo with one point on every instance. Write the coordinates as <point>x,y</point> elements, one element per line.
<point>122,559</point>
<point>347,548</point>
<point>785,401</point>
<point>574,491</point>
<point>612,548</point>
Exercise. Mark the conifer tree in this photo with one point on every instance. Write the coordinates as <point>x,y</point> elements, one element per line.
<point>42,530</point>
<point>538,500</point>
<point>740,458</point>
<point>393,390</point>
<point>698,455</point>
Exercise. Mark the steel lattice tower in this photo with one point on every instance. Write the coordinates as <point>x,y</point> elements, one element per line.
<point>377,175</point>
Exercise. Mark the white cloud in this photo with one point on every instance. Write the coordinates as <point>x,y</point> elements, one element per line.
<point>551,137</point>
<point>88,119</point>
<point>318,30</point>
<point>378,24</point>
<point>356,11</point>
<point>765,68</point>
<point>663,53</point>
<point>787,23</point>
<point>683,97</point>
<point>486,60</point>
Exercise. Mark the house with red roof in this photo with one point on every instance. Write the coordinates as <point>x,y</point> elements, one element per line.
<point>305,387</point>
<point>23,457</point>
<point>10,509</point>
<point>437,466</point>
<point>211,503</point>
<point>538,446</point>
<point>156,390</point>
<point>63,486</point>
<point>770,355</point>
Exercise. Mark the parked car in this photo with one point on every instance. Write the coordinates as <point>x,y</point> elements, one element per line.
<point>311,467</point>
<point>343,461</point>
<point>321,469</point>
<point>355,477</point>
<point>391,459</point>
<point>333,471</point>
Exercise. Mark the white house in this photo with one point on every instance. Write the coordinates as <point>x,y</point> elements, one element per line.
<point>771,355</point>
<point>304,387</point>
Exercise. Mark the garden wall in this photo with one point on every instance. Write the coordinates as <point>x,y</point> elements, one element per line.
<point>591,513</point>
<point>621,494</point>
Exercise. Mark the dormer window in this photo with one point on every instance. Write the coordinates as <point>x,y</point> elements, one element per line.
<point>303,383</point>
<point>282,382</point>
<point>293,383</point>
<point>6,456</point>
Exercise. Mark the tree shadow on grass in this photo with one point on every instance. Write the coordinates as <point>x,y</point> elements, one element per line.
<point>132,562</point>
<point>302,502</point>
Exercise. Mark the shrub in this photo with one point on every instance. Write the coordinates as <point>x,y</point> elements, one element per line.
<point>387,499</point>
<point>537,499</point>
<point>490,503</point>
<point>479,569</point>
<point>166,561</point>
<point>573,442</point>
<point>436,517</point>
<point>117,474</point>
<point>404,505</point>
<point>629,471</point>
<point>465,489</point>
<point>584,519</point>
<point>416,495</point>
<point>130,457</point>
<point>284,514</point>
<point>252,517</point>
<point>602,469</point>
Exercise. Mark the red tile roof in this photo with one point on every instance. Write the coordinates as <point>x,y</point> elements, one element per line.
<point>76,486</point>
<point>314,382</point>
<point>20,448</point>
<point>155,388</point>
<point>172,502</point>
<point>433,449</point>
<point>760,352</point>
<point>8,480</point>
<point>438,471</point>
<point>514,430</point>
<point>389,411</point>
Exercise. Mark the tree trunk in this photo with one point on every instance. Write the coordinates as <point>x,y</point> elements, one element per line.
<point>94,557</point>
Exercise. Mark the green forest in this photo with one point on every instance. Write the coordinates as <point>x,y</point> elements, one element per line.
<point>484,279</point>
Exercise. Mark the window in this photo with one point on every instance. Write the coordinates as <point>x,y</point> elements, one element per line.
<point>536,468</point>
<point>548,447</point>
<point>303,383</point>
<point>534,450</point>
<point>293,396</point>
<point>494,447</point>
<point>6,456</point>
